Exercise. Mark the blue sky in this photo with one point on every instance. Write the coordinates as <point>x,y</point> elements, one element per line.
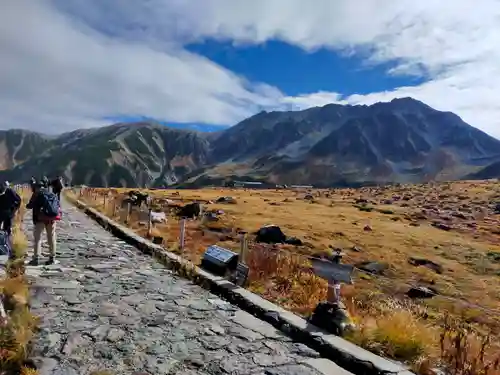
<point>296,71</point>
<point>78,63</point>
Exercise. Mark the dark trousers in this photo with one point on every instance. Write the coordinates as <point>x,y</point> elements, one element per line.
<point>6,224</point>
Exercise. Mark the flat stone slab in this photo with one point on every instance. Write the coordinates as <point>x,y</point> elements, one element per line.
<point>107,306</point>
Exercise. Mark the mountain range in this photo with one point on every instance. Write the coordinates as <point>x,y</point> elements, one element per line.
<point>403,141</point>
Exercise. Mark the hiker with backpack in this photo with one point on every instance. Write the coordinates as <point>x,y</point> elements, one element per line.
<point>46,212</point>
<point>33,184</point>
<point>10,202</point>
<point>57,186</point>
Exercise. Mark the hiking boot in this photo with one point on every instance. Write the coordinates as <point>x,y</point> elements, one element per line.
<point>33,262</point>
<point>50,261</point>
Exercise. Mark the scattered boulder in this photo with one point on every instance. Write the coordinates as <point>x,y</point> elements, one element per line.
<point>293,241</point>
<point>332,317</point>
<point>270,234</point>
<point>421,292</point>
<point>426,263</point>
<point>376,268</point>
<point>190,210</point>
<point>442,226</point>
<point>273,234</point>
<point>226,200</point>
<point>158,217</point>
<point>136,198</point>
<point>361,201</point>
<point>211,216</point>
<point>308,197</point>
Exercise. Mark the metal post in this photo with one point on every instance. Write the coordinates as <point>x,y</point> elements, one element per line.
<point>129,211</point>
<point>334,288</point>
<point>182,234</point>
<point>243,247</point>
<point>150,224</point>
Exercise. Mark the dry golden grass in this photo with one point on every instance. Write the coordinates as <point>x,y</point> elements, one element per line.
<point>16,334</point>
<point>387,225</point>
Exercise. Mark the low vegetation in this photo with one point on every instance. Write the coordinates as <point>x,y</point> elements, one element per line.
<point>442,238</point>
<point>17,330</point>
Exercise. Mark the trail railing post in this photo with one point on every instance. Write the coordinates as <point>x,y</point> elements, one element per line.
<point>129,211</point>
<point>114,207</point>
<point>150,223</point>
<point>182,234</point>
<point>243,247</point>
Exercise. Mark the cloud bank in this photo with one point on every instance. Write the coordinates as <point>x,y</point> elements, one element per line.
<point>68,64</point>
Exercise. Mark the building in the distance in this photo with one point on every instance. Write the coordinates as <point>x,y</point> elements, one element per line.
<point>249,184</point>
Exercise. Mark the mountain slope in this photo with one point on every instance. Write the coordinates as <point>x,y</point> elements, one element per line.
<point>17,146</point>
<point>400,141</point>
<point>140,154</point>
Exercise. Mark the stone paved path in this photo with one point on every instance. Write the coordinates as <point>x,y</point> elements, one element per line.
<point>108,307</point>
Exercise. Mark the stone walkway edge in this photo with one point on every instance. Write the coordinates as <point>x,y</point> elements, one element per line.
<point>344,353</point>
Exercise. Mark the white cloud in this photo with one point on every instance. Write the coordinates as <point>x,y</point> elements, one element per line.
<point>57,75</point>
<point>69,63</point>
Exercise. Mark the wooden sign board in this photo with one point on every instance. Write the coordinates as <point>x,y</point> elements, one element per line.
<point>333,271</point>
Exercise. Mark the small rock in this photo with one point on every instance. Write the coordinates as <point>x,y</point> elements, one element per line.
<point>74,341</point>
<point>421,292</point>
<point>373,267</point>
<point>426,263</point>
<point>115,334</point>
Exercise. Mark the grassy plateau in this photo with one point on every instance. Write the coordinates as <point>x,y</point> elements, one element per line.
<point>441,236</point>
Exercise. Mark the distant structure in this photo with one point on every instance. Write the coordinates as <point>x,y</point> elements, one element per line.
<point>249,184</point>
<point>262,185</point>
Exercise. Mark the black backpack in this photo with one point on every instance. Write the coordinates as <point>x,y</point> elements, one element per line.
<point>49,205</point>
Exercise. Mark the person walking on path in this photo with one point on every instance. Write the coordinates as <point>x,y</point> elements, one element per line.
<point>57,186</point>
<point>33,184</point>
<point>10,202</point>
<point>46,213</point>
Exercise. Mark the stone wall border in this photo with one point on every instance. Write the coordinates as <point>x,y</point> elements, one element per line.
<point>344,353</point>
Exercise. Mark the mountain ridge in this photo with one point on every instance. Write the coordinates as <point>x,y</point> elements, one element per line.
<point>403,140</point>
